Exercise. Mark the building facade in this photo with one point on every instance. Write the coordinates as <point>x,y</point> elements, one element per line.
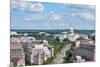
<point>17,56</point>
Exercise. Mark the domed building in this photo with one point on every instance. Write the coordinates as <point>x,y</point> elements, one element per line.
<point>71,35</point>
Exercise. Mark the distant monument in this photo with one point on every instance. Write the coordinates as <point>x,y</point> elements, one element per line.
<point>71,35</point>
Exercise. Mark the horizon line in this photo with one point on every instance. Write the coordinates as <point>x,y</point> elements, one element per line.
<point>51,29</point>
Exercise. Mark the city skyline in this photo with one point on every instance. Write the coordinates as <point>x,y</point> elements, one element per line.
<point>42,15</point>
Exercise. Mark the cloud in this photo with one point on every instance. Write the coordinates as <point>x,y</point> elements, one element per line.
<point>42,16</point>
<point>19,4</point>
<point>62,24</point>
<point>51,12</point>
<point>36,17</point>
<point>26,6</point>
<point>37,7</point>
<point>87,16</point>
<point>59,24</point>
<point>91,6</point>
<point>77,7</point>
<point>82,11</point>
<point>47,24</point>
<point>14,4</point>
<point>55,17</point>
<point>23,5</point>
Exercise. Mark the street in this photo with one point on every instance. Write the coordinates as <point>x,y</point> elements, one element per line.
<point>59,57</point>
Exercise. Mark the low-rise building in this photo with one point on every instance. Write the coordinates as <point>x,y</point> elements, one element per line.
<point>79,59</point>
<point>37,50</point>
<point>13,33</point>
<point>64,35</point>
<point>69,35</point>
<point>60,36</point>
<point>84,36</point>
<point>85,49</point>
<point>44,33</point>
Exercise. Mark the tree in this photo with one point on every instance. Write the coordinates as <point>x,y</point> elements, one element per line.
<point>57,39</point>
<point>27,60</point>
<point>73,44</point>
<point>66,40</point>
<point>67,58</point>
<point>93,38</point>
<point>49,60</point>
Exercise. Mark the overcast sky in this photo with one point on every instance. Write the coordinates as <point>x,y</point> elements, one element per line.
<point>39,15</point>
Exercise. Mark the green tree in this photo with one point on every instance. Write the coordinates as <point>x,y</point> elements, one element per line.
<point>66,40</point>
<point>49,60</point>
<point>67,58</point>
<point>57,39</point>
<point>27,60</point>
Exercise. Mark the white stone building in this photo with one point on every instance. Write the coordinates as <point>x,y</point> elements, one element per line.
<point>71,35</point>
<point>17,56</point>
<point>44,33</point>
<point>38,50</point>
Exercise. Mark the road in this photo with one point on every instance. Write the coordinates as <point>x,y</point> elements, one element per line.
<point>59,57</point>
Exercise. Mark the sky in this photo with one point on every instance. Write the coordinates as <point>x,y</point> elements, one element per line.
<point>43,15</point>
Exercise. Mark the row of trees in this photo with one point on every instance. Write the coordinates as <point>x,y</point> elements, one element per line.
<point>70,54</point>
